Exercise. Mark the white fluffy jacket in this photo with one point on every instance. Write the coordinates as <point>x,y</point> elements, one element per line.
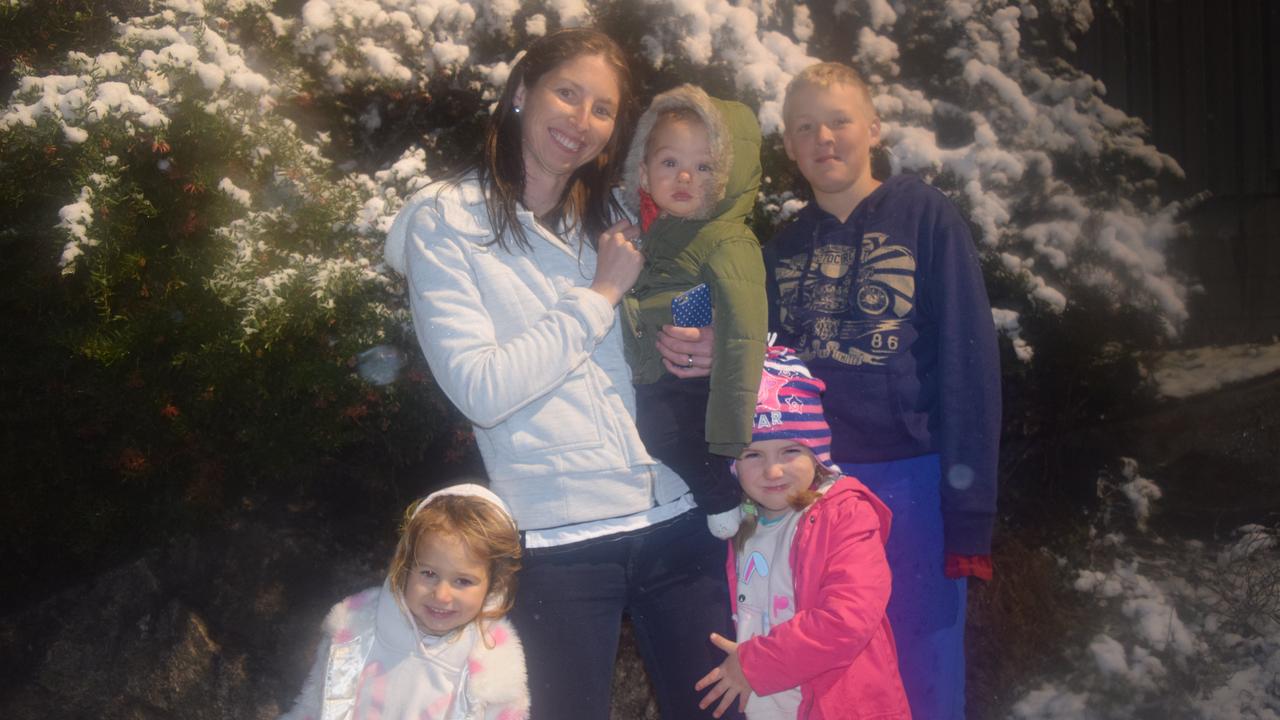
<point>532,356</point>
<point>491,682</point>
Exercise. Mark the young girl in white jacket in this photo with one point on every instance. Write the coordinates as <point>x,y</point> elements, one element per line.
<point>432,640</point>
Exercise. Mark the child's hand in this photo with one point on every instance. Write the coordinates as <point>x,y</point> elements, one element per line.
<point>687,352</point>
<point>728,680</point>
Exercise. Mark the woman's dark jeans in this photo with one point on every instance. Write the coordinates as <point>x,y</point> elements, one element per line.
<point>670,579</point>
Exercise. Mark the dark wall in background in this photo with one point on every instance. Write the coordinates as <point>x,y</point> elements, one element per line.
<point>1205,76</point>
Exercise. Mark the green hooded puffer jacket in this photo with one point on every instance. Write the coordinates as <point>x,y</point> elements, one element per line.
<point>719,250</point>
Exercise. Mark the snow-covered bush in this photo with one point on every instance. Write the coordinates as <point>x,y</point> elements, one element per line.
<point>1061,187</point>
<point>1174,629</point>
<point>199,190</point>
<point>193,281</point>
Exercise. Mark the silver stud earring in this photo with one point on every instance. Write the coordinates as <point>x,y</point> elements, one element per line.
<point>516,109</point>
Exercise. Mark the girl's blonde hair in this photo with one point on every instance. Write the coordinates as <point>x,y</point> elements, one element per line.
<point>798,501</point>
<point>484,529</point>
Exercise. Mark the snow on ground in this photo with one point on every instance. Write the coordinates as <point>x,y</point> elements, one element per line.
<point>1185,373</point>
<point>1180,629</point>
<point>1184,631</point>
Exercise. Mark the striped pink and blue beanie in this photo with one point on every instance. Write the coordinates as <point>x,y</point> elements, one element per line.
<point>789,405</point>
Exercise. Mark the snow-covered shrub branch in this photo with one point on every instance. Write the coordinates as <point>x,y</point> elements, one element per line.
<point>1026,141</point>
<point>404,43</point>
<point>1176,630</point>
<point>290,229</point>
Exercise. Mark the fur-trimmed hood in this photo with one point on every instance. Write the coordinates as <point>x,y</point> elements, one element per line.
<point>729,125</point>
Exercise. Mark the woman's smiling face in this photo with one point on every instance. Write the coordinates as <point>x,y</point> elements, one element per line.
<point>567,117</point>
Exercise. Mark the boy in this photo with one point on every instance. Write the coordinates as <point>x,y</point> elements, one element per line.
<point>878,287</point>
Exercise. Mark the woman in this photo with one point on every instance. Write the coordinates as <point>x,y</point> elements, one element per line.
<point>515,309</point>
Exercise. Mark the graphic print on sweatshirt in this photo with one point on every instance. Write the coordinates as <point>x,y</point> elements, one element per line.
<point>849,302</point>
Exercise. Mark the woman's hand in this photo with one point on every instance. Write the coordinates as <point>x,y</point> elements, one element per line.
<point>728,680</point>
<point>618,261</point>
<point>687,352</point>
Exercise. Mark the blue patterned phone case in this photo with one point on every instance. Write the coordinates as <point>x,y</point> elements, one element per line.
<point>692,308</point>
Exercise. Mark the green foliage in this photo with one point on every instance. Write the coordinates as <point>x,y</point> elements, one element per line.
<point>150,378</point>
<point>35,33</point>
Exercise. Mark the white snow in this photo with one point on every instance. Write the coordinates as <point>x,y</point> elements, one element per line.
<point>1165,614</point>
<point>1050,702</point>
<point>1184,373</point>
<point>235,193</point>
<point>383,62</point>
<point>536,25</point>
<point>1007,322</point>
<point>1253,539</point>
<point>1139,491</point>
<point>572,13</point>
<point>876,51</point>
<point>75,219</point>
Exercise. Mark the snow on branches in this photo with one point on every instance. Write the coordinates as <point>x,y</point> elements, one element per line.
<point>1062,188</point>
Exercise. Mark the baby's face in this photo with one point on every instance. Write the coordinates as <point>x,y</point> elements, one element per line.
<point>678,169</point>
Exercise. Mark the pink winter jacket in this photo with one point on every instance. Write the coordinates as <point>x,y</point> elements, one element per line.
<point>839,647</point>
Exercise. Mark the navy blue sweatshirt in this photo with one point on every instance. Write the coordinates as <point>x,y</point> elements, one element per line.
<point>890,310</point>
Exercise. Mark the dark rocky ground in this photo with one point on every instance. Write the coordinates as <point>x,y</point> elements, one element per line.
<point>217,625</point>
<point>221,624</point>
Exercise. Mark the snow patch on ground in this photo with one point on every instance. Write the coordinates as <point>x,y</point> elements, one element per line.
<point>1177,630</point>
<point>1185,373</point>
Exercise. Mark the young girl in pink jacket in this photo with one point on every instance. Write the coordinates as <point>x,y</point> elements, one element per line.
<point>807,572</point>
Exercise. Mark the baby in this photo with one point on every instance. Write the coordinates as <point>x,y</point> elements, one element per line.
<point>692,175</point>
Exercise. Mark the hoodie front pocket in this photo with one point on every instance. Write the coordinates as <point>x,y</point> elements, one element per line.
<point>568,418</point>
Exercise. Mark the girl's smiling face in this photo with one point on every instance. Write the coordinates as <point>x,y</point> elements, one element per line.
<point>678,168</point>
<point>447,584</point>
<point>771,471</point>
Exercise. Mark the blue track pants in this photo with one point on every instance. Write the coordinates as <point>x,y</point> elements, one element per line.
<point>926,609</point>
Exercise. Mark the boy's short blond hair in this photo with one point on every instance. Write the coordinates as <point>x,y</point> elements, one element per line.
<point>824,75</point>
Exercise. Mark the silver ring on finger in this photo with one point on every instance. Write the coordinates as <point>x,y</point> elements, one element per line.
<point>689,361</point>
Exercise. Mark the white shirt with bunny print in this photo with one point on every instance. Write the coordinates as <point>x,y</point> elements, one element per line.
<point>766,599</point>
